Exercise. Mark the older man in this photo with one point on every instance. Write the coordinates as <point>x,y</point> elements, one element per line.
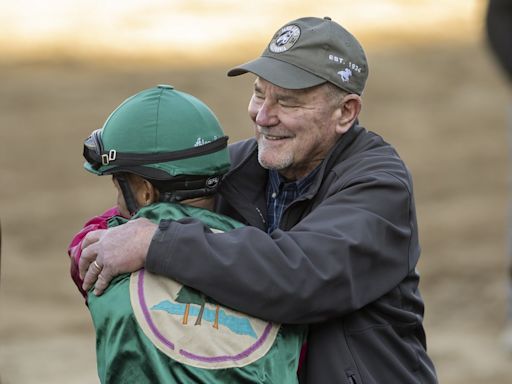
<point>332,239</point>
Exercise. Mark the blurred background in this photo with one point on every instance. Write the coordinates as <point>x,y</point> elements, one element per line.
<point>434,92</point>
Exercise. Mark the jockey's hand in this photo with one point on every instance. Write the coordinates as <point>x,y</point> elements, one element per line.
<point>107,253</point>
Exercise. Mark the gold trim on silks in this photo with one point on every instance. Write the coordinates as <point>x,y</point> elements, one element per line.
<point>194,332</point>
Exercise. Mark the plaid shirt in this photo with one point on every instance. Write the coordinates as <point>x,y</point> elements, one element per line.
<point>280,194</point>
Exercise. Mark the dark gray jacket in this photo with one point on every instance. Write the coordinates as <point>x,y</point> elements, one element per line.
<point>342,261</point>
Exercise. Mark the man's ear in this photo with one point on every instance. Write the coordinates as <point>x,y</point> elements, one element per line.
<point>350,108</point>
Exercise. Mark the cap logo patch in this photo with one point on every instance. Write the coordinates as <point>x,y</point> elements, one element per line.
<point>345,75</point>
<point>284,39</point>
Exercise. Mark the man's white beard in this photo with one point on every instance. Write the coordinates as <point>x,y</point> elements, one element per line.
<point>281,161</point>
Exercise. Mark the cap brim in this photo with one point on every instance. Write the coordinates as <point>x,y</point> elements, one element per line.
<point>278,72</point>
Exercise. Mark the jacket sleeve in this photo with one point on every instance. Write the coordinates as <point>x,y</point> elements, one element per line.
<point>354,247</point>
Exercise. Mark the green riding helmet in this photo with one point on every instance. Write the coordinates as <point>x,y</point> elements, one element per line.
<point>168,137</point>
<point>159,133</point>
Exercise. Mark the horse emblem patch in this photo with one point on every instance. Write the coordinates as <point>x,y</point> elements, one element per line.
<point>284,39</point>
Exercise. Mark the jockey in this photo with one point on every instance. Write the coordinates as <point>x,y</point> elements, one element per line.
<point>167,153</point>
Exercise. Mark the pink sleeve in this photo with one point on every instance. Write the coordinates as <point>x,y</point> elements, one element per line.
<point>74,248</point>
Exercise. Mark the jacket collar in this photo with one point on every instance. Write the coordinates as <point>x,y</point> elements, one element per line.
<point>338,153</point>
<point>244,185</point>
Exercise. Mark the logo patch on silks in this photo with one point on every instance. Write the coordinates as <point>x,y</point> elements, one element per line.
<point>192,329</point>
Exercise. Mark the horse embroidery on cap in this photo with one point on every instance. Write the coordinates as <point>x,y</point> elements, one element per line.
<point>345,75</point>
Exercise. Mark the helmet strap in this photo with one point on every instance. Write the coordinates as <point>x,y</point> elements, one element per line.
<point>190,189</point>
<point>178,196</point>
<point>128,195</point>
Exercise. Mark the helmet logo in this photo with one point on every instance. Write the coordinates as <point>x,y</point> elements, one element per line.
<point>284,39</point>
<point>212,182</point>
<point>200,141</point>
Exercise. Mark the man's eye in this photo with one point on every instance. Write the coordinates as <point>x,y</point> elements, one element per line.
<point>287,104</point>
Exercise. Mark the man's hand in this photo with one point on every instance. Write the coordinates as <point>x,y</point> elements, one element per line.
<point>107,253</point>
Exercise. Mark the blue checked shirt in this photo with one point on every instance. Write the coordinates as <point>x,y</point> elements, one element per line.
<point>281,193</point>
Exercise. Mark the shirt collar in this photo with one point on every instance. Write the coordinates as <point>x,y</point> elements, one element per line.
<point>277,182</point>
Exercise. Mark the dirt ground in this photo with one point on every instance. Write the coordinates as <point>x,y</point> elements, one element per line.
<point>443,107</point>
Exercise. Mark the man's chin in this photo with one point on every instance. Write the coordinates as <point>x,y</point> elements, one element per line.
<point>274,164</point>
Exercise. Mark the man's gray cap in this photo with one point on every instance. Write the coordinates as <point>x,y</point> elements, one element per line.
<point>310,51</point>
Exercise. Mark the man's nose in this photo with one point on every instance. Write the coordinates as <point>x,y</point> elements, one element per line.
<point>267,114</point>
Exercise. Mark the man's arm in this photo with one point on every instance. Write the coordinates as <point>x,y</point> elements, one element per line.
<point>354,247</point>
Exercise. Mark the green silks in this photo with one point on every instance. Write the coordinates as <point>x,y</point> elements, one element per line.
<point>151,329</point>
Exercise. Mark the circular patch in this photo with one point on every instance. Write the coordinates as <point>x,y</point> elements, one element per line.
<point>194,330</point>
<point>284,39</point>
